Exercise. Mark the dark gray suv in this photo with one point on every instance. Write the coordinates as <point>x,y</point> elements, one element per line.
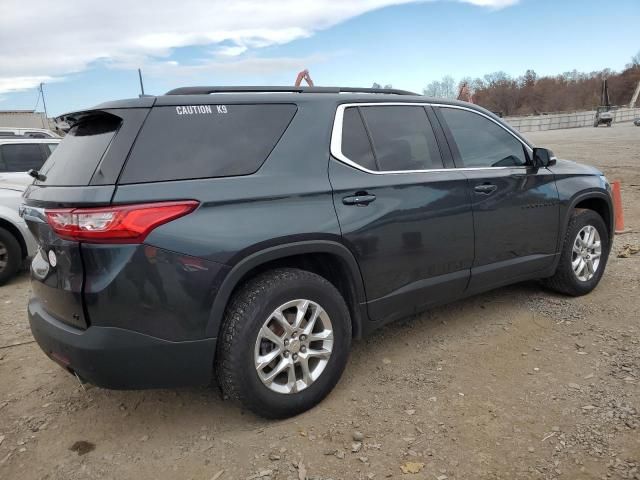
<point>250,234</point>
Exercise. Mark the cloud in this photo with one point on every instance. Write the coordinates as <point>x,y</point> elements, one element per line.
<point>243,66</point>
<point>16,84</point>
<point>39,43</point>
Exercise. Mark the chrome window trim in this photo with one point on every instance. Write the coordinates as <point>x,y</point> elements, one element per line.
<point>336,138</point>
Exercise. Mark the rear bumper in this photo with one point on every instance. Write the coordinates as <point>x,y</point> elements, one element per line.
<point>122,359</point>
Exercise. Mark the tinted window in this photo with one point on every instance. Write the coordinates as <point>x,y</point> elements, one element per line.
<point>21,157</point>
<point>481,142</point>
<point>51,147</point>
<point>205,141</point>
<point>355,142</point>
<point>36,135</point>
<point>402,138</point>
<point>76,157</point>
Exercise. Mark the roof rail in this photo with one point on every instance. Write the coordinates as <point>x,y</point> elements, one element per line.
<point>261,89</point>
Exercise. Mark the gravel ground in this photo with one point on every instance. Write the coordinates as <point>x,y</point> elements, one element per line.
<point>515,383</point>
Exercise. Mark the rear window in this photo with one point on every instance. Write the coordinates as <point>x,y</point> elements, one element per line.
<point>203,141</point>
<point>21,157</point>
<point>75,159</point>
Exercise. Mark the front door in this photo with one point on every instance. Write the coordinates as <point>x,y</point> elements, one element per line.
<point>515,206</point>
<point>407,220</point>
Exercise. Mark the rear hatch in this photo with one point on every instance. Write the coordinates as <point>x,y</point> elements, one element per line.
<point>81,172</point>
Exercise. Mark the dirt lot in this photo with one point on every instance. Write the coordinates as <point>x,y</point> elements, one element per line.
<point>516,383</point>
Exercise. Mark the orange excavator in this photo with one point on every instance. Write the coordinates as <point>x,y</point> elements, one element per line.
<point>304,75</point>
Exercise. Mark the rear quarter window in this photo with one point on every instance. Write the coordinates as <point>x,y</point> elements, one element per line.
<point>74,160</point>
<point>204,141</point>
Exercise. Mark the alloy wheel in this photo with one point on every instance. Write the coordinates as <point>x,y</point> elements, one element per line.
<point>587,250</point>
<point>293,346</point>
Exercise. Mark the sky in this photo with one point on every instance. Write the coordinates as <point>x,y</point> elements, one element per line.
<point>87,52</point>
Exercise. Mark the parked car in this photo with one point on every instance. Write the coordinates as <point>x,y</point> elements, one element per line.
<point>17,156</point>
<point>636,122</point>
<point>12,132</point>
<point>16,242</point>
<point>250,234</point>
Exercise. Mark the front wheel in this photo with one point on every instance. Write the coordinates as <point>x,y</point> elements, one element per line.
<point>584,255</point>
<point>284,342</point>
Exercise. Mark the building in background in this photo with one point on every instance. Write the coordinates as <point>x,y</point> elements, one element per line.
<point>25,119</point>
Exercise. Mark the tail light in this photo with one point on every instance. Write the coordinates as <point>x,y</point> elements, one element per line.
<point>117,224</point>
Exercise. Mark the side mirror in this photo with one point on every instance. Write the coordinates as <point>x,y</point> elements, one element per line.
<point>543,157</point>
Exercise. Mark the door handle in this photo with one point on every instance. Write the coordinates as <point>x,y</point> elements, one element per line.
<point>360,200</point>
<point>485,188</point>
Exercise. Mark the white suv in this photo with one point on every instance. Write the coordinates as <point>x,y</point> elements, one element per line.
<point>17,157</point>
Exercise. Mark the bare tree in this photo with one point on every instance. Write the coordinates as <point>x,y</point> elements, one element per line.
<point>444,88</point>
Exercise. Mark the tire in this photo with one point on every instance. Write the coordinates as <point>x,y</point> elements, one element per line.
<point>565,280</point>
<point>246,315</point>
<point>10,256</point>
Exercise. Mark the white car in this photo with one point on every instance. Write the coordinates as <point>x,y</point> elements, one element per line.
<point>17,157</point>
<point>11,132</point>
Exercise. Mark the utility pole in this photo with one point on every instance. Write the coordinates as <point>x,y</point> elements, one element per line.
<point>44,103</point>
<point>141,84</point>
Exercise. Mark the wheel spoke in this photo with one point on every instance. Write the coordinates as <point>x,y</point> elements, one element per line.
<point>580,267</point>
<point>264,360</point>
<point>306,373</point>
<point>302,306</point>
<point>291,379</point>
<point>267,333</point>
<point>576,248</point>
<point>322,354</point>
<point>590,269</point>
<point>576,262</point>
<point>323,335</point>
<point>312,321</point>
<point>282,321</point>
<point>268,379</point>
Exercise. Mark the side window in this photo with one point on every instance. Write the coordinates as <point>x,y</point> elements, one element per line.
<point>21,157</point>
<point>481,142</point>
<point>355,142</point>
<point>205,141</point>
<point>402,138</point>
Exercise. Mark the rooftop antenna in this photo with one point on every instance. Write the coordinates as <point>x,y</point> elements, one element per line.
<point>44,103</point>
<point>141,84</point>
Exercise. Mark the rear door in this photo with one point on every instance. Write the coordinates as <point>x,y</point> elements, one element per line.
<point>407,218</point>
<point>515,206</point>
<point>82,171</point>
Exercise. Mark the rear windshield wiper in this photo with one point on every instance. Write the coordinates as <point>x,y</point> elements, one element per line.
<point>37,175</point>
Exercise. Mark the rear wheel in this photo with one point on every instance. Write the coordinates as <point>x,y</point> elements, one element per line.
<point>284,343</point>
<point>584,255</point>
<point>10,255</point>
